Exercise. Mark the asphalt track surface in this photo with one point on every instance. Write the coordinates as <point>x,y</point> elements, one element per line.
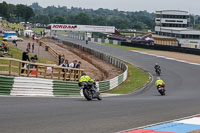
<point>112,114</point>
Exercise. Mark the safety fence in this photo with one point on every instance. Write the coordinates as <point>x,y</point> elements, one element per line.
<point>81,36</point>
<point>164,48</point>
<point>15,67</point>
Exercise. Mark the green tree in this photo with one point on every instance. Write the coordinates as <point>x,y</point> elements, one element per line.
<point>28,13</point>
<point>41,18</point>
<point>24,12</point>
<point>59,20</point>
<point>83,18</point>
<point>100,20</point>
<point>4,9</point>
<point>140,25</point>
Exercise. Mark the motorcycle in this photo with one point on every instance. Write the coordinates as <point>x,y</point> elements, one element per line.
<point>161,90</point>
<point>158,71</point>
<point>89,92</point>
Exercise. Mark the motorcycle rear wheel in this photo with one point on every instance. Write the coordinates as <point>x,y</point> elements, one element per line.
<point>162,92</point>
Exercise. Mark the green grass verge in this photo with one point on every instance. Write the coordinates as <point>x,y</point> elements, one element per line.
<point>12,26</point>
<point>37,30</point>
<point>124,47</point>
<point>137,78</point>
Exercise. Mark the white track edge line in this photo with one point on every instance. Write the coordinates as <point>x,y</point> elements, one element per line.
<point>159,123</point>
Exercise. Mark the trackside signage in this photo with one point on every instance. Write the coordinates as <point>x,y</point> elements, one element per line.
<point>87,28</point>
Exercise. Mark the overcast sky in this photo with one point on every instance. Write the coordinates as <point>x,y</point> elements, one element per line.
<point>192,6</point>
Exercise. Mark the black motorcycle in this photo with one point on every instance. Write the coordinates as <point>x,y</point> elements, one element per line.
<point>90,92</point>
<point>158,71</point>
<point>161,90</point>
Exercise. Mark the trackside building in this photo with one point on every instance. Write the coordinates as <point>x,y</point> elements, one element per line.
<point>175,23</point>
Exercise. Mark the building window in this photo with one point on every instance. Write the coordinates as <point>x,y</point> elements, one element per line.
<point>170,20</point>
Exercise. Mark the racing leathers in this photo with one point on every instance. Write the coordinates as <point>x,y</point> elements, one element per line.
<point>156,67</point>
<point>87,79</point>
<point>160,83</point>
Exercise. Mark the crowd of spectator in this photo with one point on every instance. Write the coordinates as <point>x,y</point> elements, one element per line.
<point>30,47</point>
<point>25,57</point>
<point>4,48</point>
<point>73,64</point>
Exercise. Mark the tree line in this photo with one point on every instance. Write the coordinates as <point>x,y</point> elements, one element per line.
<point>105,17</point>
<point>16,13</point>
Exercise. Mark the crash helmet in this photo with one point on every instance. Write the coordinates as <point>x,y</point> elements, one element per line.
<point>83,74</point>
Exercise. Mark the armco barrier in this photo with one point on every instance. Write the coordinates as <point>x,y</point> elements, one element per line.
<point>109,84</point>
<point>26,86</point>
<point>164,48</point>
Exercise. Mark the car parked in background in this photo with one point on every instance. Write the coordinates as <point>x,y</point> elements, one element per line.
<point>12,38</point>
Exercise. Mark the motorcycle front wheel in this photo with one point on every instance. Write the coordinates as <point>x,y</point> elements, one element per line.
<point>87,94</point>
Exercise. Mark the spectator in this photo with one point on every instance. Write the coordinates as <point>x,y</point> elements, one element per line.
<point>5,48</point>
<point>33,37</point>
<point>59,59</point>
<point>14,43</point>
<point>63,58</point>
<point>29,46</point>
<point>78,65</point>
<point>33,46</point>
<point>25,57</point>
<point>4,45</point>
<point>33,61</point>
<point>27,50</point>
<point>35,57</point>
<point>65,63</point>
<point>73,64</point>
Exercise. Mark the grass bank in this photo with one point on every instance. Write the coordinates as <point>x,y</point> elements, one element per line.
<point>17,54</point>
<point>137,78</point>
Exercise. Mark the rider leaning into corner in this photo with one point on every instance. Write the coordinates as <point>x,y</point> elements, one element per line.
<point>160,82</point>
<point>156,67</point>
<point>85,78</point>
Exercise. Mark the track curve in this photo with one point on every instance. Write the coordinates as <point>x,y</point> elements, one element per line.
<point>57,115</point>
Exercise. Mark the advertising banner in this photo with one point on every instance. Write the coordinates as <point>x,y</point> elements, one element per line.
<point>86,28</point>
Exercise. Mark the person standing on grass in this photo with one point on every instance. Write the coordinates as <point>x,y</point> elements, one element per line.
<point>25,57</point>
<point>29,46</point>
<point>33,37</point>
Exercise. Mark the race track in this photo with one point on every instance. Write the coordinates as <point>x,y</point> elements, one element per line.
<point>61,115</point>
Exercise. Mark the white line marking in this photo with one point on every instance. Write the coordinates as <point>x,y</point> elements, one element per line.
<point>159,123</point>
